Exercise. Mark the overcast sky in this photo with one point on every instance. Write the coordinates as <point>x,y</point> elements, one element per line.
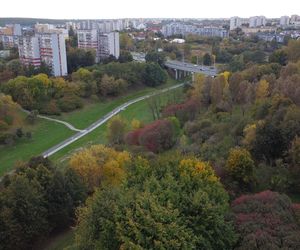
<point>101,9</point>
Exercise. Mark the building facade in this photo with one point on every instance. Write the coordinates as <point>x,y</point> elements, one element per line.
<point>184,29</point>
<point>45,47</point>
<point>105,44</point>
<point>257,21</point>
<point>284,21</point>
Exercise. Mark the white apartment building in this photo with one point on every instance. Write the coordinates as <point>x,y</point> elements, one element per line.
<point>108,44</point>
<point>47,47</point>
<point>29,50</point>
<point>235,22</point>
<point>257,21</point>
<point>88,39</point>
<point>284,21</point>
<point>104,44</point>
<point>53,52</point>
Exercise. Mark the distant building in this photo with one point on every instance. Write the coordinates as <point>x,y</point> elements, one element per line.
<point>105,44</point>
<point>53,52</point>
<point>29,51</point>
<point>45,47</point>
<point>87,39</point>
<point>184,29</point>
<point>50,28</point>
<point>257,21</point>
<point>235,22</point>
<point>284,21</point>
<point>108,44</point>
<point>9,35</point>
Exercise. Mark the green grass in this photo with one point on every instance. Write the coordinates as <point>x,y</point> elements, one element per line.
<point>92,111</point>
<point>138,111</point>
<point>45,134</point>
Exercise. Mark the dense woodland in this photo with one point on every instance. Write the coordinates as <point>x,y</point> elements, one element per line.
<point>214,170</point>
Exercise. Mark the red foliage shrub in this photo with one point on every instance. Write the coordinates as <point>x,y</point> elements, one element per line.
<point>156,137</point>
<point>184,111</point>
<point>266,221</point>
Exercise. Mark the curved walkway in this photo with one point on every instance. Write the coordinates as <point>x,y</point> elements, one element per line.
<point>68,125</point>
<point>102,120</point>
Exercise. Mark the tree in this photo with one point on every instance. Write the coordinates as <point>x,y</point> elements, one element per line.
<point>116,130</point>
<point>269,142</point>
<point>156,57</point>
<point>154,75</point>
<point>34,201</point>
<point>125,56</point>
<point>265,221</point>
<point>293,50</point>
<point>110,86</point>
<point>149,212</point>
<point>99,164</point>
<point>77,58</point>
<point>279,56</point>
<point>262,90</point>
<point>207,59</point>
<point>240,166</point>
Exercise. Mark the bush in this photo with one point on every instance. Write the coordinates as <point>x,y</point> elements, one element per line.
<point>69,103</point>
<point>266,221</point>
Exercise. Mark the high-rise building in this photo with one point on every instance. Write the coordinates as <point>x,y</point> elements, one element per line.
<point>104,44</point>
<point>44,47</point>
<point>29,50</point>
<point>108,44</point>
<point>257,21</point>
<point>88,39</point>
<point>284,21</point>
<point>53,52</point>
<point>235,22</point>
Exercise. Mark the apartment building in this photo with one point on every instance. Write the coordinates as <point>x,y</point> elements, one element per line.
<point>47,47</point>
<point>88,39</point>
<point>9,35</point>
<point>29,50</point>
<point>284,21</point>
<point>257,21</point>
<point>53,52</point>
<point>184,29</point>
<point>104,44</point>
<point>108,44</point>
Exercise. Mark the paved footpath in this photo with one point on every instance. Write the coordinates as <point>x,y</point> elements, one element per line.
<point>99,122</point>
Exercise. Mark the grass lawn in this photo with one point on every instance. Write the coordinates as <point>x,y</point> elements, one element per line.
<point>92,111</point>
<point>45,134</point>
<point>138,111</point>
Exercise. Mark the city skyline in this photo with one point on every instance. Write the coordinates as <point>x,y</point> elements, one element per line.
<point>94,9</point>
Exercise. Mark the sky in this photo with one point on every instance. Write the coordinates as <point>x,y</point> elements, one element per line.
<point>106,9</point>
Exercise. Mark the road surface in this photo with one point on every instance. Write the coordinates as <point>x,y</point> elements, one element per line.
<point>101,121</point>
<point>189,67</point>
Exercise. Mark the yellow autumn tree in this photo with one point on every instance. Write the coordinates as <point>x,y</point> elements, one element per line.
<point>198,86</point>
<point>100,164</point>
<point>136,124</point>
<point>194,168</point>
<point>262,90</point>
<point>240,165</point>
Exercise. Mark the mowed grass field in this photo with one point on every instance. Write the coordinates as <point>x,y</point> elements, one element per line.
<point>140,111</point>
<point>46,134</point>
